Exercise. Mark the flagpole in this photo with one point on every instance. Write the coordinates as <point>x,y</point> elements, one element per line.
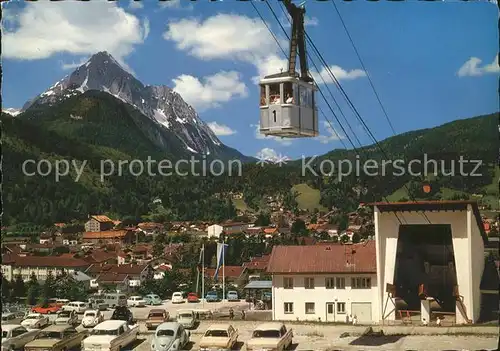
<point>223,269</point>
<point>203,276</point>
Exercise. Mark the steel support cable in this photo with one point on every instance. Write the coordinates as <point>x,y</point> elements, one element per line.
<point>358,115</point>
<point>354,147</point>
<point>317,70</point>
<point>322,112</point>
<point>364,68</point>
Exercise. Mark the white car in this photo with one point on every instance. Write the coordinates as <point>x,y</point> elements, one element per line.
<point>177,297</point>
<point>136,301</point>
<point>67,317</point>
<point>110,335</point>
<point>270,336</point>
<point>15,336</point>
<point>91,318</point>
<point>35,321</point>
<point>219,337</point>
<point>77,306</point>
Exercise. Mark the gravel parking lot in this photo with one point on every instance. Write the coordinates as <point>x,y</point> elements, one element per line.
<point>315,337</point>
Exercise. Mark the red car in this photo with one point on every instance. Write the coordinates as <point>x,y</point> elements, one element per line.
<point>192,297</point>
<point>47,309</point>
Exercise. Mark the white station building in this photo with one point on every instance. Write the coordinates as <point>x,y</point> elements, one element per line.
<point>427,261</point>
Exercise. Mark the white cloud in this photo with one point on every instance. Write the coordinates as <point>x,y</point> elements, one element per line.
<point>237,38</point>
<point>338,72</point>
<point>136,4</point>
<point>221,129</point>
<point>46,28</point>
<point>230,37</point>
<point>215,89</point>
<point>472,68</point>
<point>73,65</point>
<point>174,4</point>
<point>331,134</point>
<point>267,154</point>
<point>258,135</point>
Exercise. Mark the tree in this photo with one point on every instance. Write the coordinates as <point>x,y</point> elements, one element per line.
<point>263,219</point>
<point>33,289</point>
<point>6,289</point>
<point>49,288</point>
<point>298,226</point>
<point>356,238</point>
<point>18,287</point>
<point>158,248</point>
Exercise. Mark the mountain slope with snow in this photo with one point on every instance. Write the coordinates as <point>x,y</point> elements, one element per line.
<point>169,112</point>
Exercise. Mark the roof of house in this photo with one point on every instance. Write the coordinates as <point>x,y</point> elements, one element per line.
<point>150,225</point>
<point>270,230</point>
<point>101,218</point>
<point>111,277</point>
<point>99,256</point>
<point>131,269</point>
<point>441,205</point>
<point>229,271</point>
<point>357,258</point>
<point>46,261</point>
<point>109,234</point>
<point>233,224</point>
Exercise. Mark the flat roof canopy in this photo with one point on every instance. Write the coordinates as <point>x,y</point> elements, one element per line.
<point>259,284</point>
<point>446,205</point>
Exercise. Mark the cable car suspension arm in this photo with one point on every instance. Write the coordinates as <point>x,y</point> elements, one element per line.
<point>297,41</point>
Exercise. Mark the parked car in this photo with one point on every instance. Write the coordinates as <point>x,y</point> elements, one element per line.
<point>13,318</point>
<point>272,336</point>
<point>67,317</point>
<point>192,297</point>
<point>46,309</point>
<point>91,318</point>
<point>136,301</point>
<point>177,297</point>
<point>219,336</point>
<point>170,336</point>
<point>35,321</point>
<point>114,299</point>
<point>232,296</point>
<point>212,296</point>
<point>186,318</point>
<point>157,317</point>
<point>122,313</point>
<point>110,335</point>
<point>77,306</point>
<point>55,338</point>
<point>98,303</point>
<point>152,299</point>
<point>15,336</point>
<point>62,302</point>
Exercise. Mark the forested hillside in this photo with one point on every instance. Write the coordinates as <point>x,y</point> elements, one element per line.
<point>95,127</point>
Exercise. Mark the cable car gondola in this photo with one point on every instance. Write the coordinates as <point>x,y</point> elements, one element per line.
<point>287,100</point>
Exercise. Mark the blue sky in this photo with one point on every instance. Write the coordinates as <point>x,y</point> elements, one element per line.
<point>430,62</point>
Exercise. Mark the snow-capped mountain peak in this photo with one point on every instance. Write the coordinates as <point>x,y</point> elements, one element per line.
<point>160,103</point>
<point>12,111</point>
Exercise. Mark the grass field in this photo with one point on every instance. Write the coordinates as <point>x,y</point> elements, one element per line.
<point>308,197</point>
<point>240,205</point>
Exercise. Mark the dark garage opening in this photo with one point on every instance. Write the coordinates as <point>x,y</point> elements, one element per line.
<point>425,264</point>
